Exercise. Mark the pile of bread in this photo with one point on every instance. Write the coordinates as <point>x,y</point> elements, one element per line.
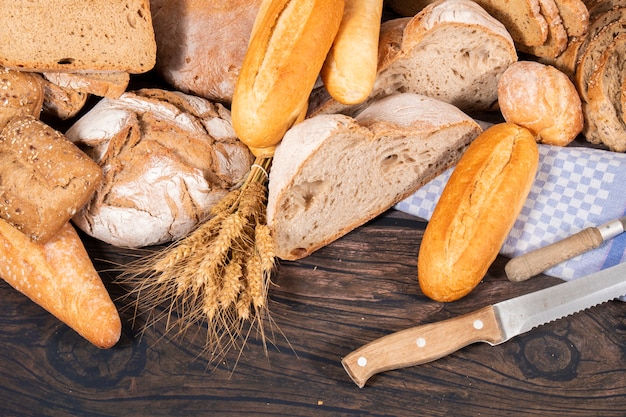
<point>144,167</point>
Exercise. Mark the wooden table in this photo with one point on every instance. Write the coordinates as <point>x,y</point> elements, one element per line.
<point>357,289</point>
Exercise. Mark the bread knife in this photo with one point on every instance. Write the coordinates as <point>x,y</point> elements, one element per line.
<point>534,262</point>
<point>493,324</point>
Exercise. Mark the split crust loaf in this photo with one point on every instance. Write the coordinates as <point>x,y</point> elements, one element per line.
<point>476,211</point>
<point>332,173</point>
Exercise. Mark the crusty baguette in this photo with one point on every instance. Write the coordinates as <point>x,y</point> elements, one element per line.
<point>45,177</point>
<point>74,35</point>
<point>60,277</point>
<point>288,46</point>
<point>542,99</point>
<point>350,67</point>
<point>476,211</point>
<point>332,173</point>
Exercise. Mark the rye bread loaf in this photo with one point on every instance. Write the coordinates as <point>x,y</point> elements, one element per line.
<point>74,35</point>
<point>201,44</point>
<point>467,46</point>
<point>167,158</point>
<point>45,178</point>
<point>20,93</point>
<point>604,114</point>
<point>332,173</point>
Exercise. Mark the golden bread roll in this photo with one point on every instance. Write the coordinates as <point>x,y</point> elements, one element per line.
<point>288,46</point>
<point>476,211</point>
<point>542,99</point>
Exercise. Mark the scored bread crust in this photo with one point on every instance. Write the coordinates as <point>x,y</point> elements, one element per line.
<point>332,173</point>
<point>476,211</point>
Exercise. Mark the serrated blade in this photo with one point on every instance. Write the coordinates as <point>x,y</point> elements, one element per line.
<point>521,314</point>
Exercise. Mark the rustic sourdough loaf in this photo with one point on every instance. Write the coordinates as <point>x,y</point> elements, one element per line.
<point>74,35</point>
<point>167,158</point>
<point>332,173</point>
<point>188,32</point>
<point>468,47</point>
<point>45,178</point>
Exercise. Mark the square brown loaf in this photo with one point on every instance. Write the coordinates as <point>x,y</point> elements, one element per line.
<point>44,178</point>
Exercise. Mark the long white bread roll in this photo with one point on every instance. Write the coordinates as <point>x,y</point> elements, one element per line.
<point>476,211</point>
<point>60,277</point>
<point>288,46</point>
<point>332,173</point>
<point>349,71</point>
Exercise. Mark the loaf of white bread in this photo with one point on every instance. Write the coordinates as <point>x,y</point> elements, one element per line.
<point>452,50</point>
<point>332,173</point>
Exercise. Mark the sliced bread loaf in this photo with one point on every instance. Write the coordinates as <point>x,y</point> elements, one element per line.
<point>452,50</point>
<point>557,38</point>
<point>332,173</point>
<point>74,35</point>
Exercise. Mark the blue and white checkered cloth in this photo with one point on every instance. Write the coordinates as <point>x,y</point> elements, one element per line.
<point>575,188</point>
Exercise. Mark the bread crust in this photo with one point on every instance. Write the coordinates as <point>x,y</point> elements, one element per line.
<point>542,99</point>
<point>21,93</point>
<point>289,43</point>
<point>476,211</point>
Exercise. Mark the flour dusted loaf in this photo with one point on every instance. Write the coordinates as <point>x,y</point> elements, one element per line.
<point>201,44</point>
<point>332,173</point>
<point>542,99</point>
<point>167,158</point>
<point>45,178</point>
<point>74,35</point>
<point>476,211</point>
<point>452,50</point>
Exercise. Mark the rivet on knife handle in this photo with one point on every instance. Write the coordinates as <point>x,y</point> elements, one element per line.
<point>535,262</point>
<point>422,344</point>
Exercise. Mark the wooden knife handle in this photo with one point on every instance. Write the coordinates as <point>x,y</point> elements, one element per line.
<point>422,344</point>
<point>532,263</point>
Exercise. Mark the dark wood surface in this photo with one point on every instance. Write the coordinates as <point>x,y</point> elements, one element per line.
<point>357,289</point>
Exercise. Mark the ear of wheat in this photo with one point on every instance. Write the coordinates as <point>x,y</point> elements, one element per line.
<point>218,275</point>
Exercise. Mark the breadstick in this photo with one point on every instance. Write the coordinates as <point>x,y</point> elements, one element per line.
<point>349,71</point>
<point>59,276</point>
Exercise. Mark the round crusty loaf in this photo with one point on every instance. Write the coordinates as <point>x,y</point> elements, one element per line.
<point>476,211</point>
<point>167,158</point>
<point>201,44</point>
<point>542,99</point>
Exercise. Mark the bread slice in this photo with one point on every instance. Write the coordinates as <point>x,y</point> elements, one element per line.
<point>332,173</point>
<point>60,103</point>
<point>468,48</point>
<point>575,16</point>
<point>557,38</point>
<point>604,122</point>
<point>111,84</point>
<point>74,35</point>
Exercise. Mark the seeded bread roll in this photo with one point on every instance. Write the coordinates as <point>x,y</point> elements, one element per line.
<point>20,93</point>
<point>542,99</point>
<point>476,211</point>
<point>45,177</point>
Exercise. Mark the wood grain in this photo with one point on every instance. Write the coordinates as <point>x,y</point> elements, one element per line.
<point>357,289</point>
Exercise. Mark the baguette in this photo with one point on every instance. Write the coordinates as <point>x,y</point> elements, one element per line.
<point>476,211</point>
<point>288,46</point>
<point>60,277</point>
<point>350,68</point>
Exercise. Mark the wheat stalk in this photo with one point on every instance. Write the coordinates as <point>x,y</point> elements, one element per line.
<point>218,275</point>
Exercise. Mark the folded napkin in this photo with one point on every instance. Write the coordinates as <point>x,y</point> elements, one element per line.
<point>575,188</point>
